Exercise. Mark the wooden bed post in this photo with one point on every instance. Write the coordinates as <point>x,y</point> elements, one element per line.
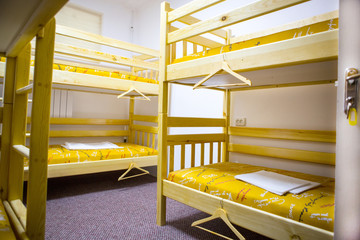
<point>131,138</point>
<point>39,136</point>
<point>8,91</point>
<point>163,114</point>
<point>18,128</point>
<point>347,191</point>
<point>226,114</point>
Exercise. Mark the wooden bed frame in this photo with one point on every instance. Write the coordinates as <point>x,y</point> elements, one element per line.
<point>20,78</point>
<point>319,49</point>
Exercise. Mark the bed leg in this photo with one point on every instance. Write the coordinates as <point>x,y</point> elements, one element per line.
<point>161,211</point>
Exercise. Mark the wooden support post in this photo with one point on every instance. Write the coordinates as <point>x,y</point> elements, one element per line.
<point>8,92</point>
<point>131,120</point>
<point>195,48</point>
<point>225,153</point>
<point>193,146</point>
<point>202,159</point>
<point>211,154</point>
<point>163,112</point>
<point>39,137</point>
<point>18,128</point>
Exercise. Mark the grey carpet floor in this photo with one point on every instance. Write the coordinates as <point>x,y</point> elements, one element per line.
<point>98,207</point>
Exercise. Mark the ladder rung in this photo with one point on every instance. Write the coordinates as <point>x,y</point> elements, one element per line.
<point>22,150</point>
<point>25,89</point>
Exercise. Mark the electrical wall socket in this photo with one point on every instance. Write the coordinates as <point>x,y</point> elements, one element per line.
<point>240,121</point>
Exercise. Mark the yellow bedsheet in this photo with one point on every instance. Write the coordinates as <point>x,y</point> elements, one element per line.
<point>113,74</point>
<point>59,154</point>
<point>314,207</point>
<point>5,229</point>
<point>276,37</point>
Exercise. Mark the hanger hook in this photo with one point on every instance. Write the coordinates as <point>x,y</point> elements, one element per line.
<point>221,203</point>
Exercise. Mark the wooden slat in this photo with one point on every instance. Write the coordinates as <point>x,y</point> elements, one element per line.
<point>290,26</point>
<point>100,56</point>
<point>148,139</point>
<point>190,8</point>
<point>22,150</point>
<point>284,153</point>
<point>20,210</point>
<point>185,44</point>
<point>153,141</point>
<point>219,152</point>
<point>211,153</point>
<point>202,157</point>
<point>145,118</point>
<point>26,89</point>
<point>15,222</point>
<point>313,48</point>
<point>193,148</point>
<point>289,134</point>
<point>98,39</point>
<point>93,83</point>
<point>86,121</point>
<point>196,138</point>
<point>71,169</point>
<point>195,122</point>
<point>145,128</point>
<point>284,85</point>
<point>200,40</point>
<point>87,133</point>
<point>247,12</point>
<point>171,160</point>
<point>182,164</point>
<point>189,20</point>
<point>268,224</point>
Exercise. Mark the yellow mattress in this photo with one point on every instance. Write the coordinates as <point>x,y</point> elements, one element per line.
<point>113,74</point>
<point>276,37</point>
<point>314,207</point>
<point>59,154</point>
<point>5,229</point>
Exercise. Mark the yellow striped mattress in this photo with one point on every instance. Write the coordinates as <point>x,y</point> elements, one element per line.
<point>59,154</point>
<point>314,207</point>
<point>5,229</point>
<point>276,37</point>
<point>83,70</point>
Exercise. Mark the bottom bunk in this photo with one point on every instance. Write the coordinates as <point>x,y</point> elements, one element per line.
<point>309,214</point>
<point>68,162</point>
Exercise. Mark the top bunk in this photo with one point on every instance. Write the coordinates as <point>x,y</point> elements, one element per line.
<point>298,53</point>
<point>95,68</point>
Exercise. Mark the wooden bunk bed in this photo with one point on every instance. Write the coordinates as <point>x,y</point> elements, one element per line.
<point>245,60</point>
<point>34,18</point>
<point>80,69</point>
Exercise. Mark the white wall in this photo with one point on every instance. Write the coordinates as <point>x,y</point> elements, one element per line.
<point>311,107</point>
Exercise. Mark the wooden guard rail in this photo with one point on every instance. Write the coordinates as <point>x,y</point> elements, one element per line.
<point>136,130</point>
<point>192,140</point>
<point>285,153</point>
<point>140,64</point>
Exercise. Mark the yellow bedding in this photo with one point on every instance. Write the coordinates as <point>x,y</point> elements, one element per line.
<point>5,229</point>
<point>59,154</point>
<point>113,74</point>
<point>314,207</point>
<point>276,37</point>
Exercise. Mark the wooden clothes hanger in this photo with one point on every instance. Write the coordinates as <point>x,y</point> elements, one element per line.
<point>131,166</point>
<point>132,89</point>
<point>219,213</point>
<point>225,67</point>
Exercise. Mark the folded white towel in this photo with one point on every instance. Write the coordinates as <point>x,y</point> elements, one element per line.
<point>276,183</point>
<point>86,146</point>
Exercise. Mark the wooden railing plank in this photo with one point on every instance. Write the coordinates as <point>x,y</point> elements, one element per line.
<point>285,153</point>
